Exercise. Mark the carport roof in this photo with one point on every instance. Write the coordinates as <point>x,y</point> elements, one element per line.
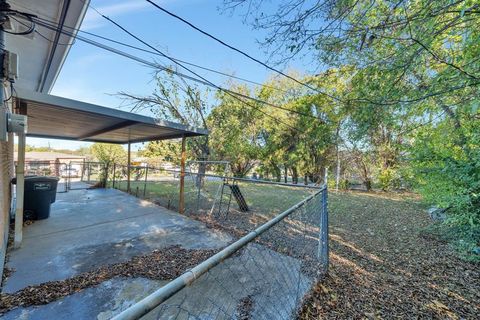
<point>60,118</point>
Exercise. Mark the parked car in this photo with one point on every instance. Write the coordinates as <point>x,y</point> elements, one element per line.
<point>69,172</point>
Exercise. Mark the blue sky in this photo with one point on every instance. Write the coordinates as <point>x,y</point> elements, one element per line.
<point>93,75</point>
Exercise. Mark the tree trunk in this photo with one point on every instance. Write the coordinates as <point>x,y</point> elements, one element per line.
<point>278,174</point>
<point>285,177</point>
<point>368,184</point>
<point>200,179</point>
<point>294,175</point>
<point>337,173</point>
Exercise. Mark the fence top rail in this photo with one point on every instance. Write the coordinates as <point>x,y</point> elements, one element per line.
<point>153,300</point>
<point>209,161</point>
<point>259,181</point>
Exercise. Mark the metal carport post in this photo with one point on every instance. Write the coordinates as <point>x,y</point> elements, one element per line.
<point>20,183</point>
<point>128,166</point>
<point>181,204</point>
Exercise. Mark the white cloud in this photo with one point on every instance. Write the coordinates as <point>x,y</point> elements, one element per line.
<point>93,20</point>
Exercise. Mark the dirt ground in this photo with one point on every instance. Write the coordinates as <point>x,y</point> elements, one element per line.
<point>385,266</point>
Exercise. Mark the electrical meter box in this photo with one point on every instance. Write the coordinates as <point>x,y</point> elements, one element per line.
<point>16,123</point>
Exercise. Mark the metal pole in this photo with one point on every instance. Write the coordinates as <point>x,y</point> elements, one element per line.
<point>181,204</point>
<point>3,18</point>
<point>145,185</point>
<point>20,171</point>
<point>113,178</point>
<point>128,168</point>
<point>323,249</point>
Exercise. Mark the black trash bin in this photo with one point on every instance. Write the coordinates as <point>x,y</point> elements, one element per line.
<point>40,193</point>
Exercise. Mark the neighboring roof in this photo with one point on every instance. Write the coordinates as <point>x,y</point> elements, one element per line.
<point>60,118</point>
<point>41,56</point>
<point>49,156</point>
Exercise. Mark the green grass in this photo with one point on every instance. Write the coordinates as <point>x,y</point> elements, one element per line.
<point>261,198</point>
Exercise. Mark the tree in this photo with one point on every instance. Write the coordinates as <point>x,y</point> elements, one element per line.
<point>175,100</point>
<point>235,132</point>
<point>414,90</point>
<point>109,153</point>
<point>163,151</point>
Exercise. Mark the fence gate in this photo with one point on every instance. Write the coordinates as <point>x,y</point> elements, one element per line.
<point>84,175</point>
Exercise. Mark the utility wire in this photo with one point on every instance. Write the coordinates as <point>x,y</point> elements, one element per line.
<point>44,36</point>
<point>191,71</point>
<point>170,70</point>
<point>242,52</point>
<point>176,59</point>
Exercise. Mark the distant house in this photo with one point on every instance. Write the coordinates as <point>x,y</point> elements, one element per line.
<point>52,157</point>
<point>50,163</point>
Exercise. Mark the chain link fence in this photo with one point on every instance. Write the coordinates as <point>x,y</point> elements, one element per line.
<point>72,175</point>
<point>208,195</point>
<point>279,244</point>
<point>87,174</point>
<point>279,235</point>
<point>49,169</point>
<point>265,279</point>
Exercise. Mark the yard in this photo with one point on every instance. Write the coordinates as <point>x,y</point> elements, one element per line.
<point>384,264</point>
<point>266,200</point>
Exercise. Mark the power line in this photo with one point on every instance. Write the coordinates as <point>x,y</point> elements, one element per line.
<point>192,72</point>
<point>163,68</point>
<point>176,59</point>
<point>30,28</point>
<point>44,36</point>
<point>242,52</point>
<point>169,70</point>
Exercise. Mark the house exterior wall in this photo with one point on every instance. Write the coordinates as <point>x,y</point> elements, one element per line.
<point>6,174</point>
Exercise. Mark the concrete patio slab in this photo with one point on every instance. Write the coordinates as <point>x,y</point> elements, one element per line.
<point>90,228</point>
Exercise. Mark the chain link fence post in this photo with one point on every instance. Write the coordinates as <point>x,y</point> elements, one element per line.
<point>145,182</point>
<point>113,176</point>
<point>323,250</point>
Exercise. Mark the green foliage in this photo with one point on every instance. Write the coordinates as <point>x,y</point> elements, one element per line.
<point>29,148</point>
<point>462,238</point>
<point>235,132</point>
<point>389,179</point>
<point>109,153</point>
<point>412,91</point>
<point>163,151</point>
<point>448,170</point>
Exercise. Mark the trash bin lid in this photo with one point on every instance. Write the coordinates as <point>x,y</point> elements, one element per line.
<point>14,180</point>
<point>40,179</point>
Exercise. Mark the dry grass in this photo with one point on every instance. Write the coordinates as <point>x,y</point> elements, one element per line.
<point>383,266</point>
